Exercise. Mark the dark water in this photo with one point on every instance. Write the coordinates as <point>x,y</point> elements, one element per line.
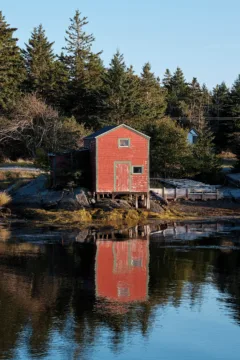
<point>174,294</point>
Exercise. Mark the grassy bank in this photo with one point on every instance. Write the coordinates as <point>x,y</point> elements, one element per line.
<point>96,216</point>
<point>176,211</point>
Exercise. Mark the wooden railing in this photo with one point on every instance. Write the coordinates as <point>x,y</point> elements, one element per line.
<point>187,193</point>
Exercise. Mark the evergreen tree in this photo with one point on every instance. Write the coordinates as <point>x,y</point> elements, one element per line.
<point>116,82</point>
<point>39,61</point>
<point>205,165</point>
<point>169,151</point>
<point>11,66</point>
<point>85,71</point>
<point>177,95</point>
<point>78,46</point>
<point>195,100</point>
<point>221,101</point>
<point>167,79</point>
<point>58,91</point>
<point>235,98</point>
<point>207,100</point>
<point>234,131</point>
<point>153,97</point>
<point>221,123</point>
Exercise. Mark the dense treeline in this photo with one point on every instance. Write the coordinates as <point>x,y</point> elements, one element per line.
<point>50,101</point>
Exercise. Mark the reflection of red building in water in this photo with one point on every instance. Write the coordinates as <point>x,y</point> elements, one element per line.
<point>122,270</point>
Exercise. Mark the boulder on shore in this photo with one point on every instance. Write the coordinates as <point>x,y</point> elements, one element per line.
<point>156,207</point>
<point>110,204</point>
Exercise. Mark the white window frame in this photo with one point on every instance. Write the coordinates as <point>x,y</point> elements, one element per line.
<point>119,141</point>
<point>137,166</point>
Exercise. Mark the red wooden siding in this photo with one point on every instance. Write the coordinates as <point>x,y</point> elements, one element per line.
<point>109,154</point>
<point>122,270</point>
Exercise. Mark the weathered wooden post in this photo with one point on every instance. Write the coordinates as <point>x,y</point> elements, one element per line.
<point>136,201</point>
<point>148,201</point>
<point>145,201</point>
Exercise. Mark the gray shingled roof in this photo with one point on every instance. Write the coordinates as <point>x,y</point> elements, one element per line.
<point>100,132</point>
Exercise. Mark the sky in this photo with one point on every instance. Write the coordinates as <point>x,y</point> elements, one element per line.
<point>202,37</point>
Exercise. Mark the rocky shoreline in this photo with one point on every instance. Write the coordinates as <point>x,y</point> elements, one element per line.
<point>37,204</point>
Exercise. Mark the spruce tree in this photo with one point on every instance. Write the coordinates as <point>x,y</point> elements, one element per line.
<point>78,46</point>
<point>195,100</point>
<point>177,96</point>
<point>235,98</point>
<point>167,79</point>
<point>234,128</point>
<point>153,97</point>
<point>58,91</point>
<point>116,88</point>
<point>222,126</point>
<point>205,164</point>
<point>85,70</point>
<point>39,61</point>
<point>11,66</point>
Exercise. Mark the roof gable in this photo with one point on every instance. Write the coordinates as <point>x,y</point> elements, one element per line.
<point>108,129</point>
<point>100,132</point>
<point>192,131</point>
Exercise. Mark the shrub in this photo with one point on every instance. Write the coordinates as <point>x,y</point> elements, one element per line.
<point>169,150</point>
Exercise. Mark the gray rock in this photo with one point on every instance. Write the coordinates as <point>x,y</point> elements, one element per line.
<point>81,198</point>
<point>155,207</point>
<point>109,204</point>
<point>36,195</point>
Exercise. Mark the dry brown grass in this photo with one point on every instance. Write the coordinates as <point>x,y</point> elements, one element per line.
<point>95,216</point>
<point>5,199</point>
<point>227,155</point>
<point>5,234</point>
<point>18,162</point>
<point>15,175</point>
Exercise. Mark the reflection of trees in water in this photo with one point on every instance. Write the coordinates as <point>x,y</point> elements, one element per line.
<point>42,289</point>
<point>227,278</point>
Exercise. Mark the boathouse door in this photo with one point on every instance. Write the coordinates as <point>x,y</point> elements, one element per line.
<point>122,176</point>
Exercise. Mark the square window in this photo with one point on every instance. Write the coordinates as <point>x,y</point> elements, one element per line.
<point>124,142</point>
<point>137,169</point>
<point>137,263</point>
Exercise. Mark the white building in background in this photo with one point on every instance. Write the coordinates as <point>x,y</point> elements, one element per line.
<point>192,136</point>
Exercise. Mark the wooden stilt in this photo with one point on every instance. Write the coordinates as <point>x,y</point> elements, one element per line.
<point>145,201</point>
<point>136,201</point>
<point>148,201</point>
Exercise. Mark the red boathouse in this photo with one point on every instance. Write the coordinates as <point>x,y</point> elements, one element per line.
<point>119,158</point>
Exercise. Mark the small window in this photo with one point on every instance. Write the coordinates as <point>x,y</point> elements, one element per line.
<point>137,169</point>
<point>137,263</point>
<point>124,142</point>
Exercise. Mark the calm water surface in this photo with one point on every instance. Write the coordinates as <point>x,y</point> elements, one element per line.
<point>145,293</point>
